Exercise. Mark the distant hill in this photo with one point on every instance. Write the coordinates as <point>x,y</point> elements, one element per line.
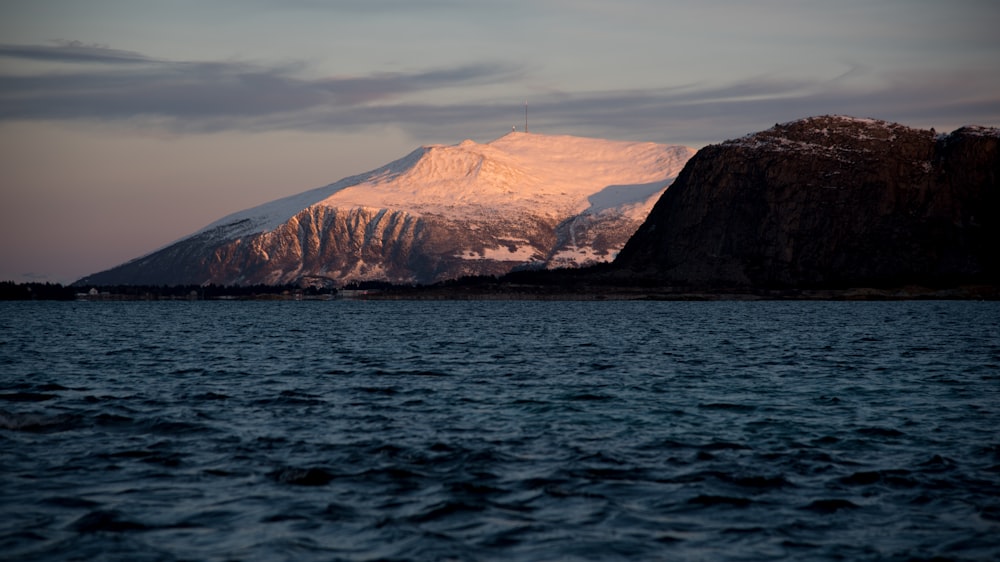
<point>827,202</point>
<point>441,212</point>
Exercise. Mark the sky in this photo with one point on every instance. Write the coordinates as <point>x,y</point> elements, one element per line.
<point>126,125</point>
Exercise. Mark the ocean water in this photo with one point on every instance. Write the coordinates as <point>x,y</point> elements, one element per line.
<point>348,430</point>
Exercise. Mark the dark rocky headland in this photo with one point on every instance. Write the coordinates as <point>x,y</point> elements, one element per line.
<point>828,202</point>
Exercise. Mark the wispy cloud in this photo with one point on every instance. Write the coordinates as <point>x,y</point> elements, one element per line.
<point>72,52</point>
<point>702,114</point>
<point>106,84</point>
<point>181,91</point>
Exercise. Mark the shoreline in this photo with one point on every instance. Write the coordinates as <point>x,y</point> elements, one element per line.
<point>542,293</point>
<point>506,291</point>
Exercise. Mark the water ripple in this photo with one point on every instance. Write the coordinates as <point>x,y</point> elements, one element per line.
<point>500,431</point>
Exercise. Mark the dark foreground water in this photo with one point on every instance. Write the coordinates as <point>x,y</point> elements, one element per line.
<point>499,431</point>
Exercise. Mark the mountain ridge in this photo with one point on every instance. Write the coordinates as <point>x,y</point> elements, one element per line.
<point>440,212</point>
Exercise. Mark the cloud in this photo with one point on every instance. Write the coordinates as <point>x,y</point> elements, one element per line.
<point>364,6</point>
<point>183,91</point>
<point>699,114</point>
<point>378,86</point>
<point>72,52</point>
<point>128,87</point>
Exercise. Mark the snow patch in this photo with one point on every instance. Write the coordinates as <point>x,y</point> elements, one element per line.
<point>584,255</point>
<point>502,253</point>
<point>979,131</point>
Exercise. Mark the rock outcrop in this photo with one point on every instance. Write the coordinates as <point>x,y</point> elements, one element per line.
<point>827,202</point>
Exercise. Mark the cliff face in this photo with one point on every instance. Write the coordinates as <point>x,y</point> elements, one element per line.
<point>828,202</point>
<point>329,246</point>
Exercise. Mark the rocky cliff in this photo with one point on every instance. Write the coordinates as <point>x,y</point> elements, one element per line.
<point>827,202</point>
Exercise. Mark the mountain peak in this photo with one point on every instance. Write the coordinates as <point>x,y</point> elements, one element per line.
<point>518,171</point>
<point>827,133</point>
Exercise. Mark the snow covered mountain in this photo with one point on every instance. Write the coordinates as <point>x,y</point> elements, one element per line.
<point>441,212</point>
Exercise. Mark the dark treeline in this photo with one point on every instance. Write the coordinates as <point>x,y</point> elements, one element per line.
<point>10,291</point>
<point>54,291</point>
<point>564,280</point>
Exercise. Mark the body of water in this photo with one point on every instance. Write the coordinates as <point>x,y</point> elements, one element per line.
<point>500,431</point>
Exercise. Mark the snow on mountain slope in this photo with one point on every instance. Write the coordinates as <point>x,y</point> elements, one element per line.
<point>518,172</point>
<point>270,215</point>
<point>438,213</point>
